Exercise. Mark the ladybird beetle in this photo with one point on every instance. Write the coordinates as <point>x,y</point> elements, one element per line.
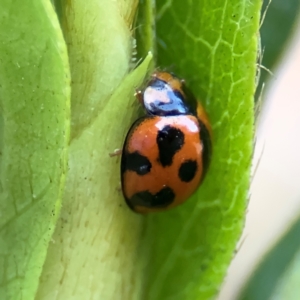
<point>166,153</point>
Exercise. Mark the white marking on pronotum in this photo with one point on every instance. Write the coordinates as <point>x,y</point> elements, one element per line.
<point>190,125</point>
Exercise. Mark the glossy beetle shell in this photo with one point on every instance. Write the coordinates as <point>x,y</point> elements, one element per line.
<point>167,152</point>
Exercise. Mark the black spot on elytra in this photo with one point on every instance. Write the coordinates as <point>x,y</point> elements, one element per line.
<point>187,170</point>
<point>161,199</point>
<point>207,146</point>
<point>136,162</point>
<point>169,141</point>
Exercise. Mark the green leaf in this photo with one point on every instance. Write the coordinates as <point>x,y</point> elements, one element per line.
<point>288,286</point>
<point>34,132</point>
<point>96,242</point>
<point>99,40</point>
<point>97,237</point>
<point>100,248</point>
<point>277,276</point>
<point>213,46</point>
<point>145,30</point>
